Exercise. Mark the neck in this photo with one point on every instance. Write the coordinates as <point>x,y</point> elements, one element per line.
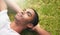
<point>16,27</point>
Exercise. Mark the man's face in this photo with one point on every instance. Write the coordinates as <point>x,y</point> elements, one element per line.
<point>25,16</point>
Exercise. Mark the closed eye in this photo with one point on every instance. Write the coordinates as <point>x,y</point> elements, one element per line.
<point>29,14</point>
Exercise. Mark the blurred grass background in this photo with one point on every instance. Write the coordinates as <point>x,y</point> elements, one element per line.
<point>49,14</point>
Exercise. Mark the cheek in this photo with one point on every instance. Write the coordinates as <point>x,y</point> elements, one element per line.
<point>26,17</point>
<point>17,17</point>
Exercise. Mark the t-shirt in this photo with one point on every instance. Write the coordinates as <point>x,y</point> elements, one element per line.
<point>8,31</point>
<point>4,19</point>
<point>5,24</point>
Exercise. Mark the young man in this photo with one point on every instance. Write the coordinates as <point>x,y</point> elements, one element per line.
<point>23,20</point>
<point>3,10</point>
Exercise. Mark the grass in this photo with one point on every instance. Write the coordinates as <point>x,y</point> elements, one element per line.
<point>49,14</point>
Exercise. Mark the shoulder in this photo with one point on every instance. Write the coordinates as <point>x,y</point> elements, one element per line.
<point>3,11</point>
<point>7,31</point>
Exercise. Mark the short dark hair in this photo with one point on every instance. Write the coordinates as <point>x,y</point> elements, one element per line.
<point>36,18</point>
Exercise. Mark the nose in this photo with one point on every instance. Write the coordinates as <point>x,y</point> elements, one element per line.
<point>20,14</point>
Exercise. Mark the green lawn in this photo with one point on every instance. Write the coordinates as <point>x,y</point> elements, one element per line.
<point>49,14</point>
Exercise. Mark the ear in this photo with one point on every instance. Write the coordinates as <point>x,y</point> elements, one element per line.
<point>30,25</point>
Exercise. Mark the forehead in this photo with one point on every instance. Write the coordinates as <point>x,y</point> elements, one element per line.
<point>31,11</point>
